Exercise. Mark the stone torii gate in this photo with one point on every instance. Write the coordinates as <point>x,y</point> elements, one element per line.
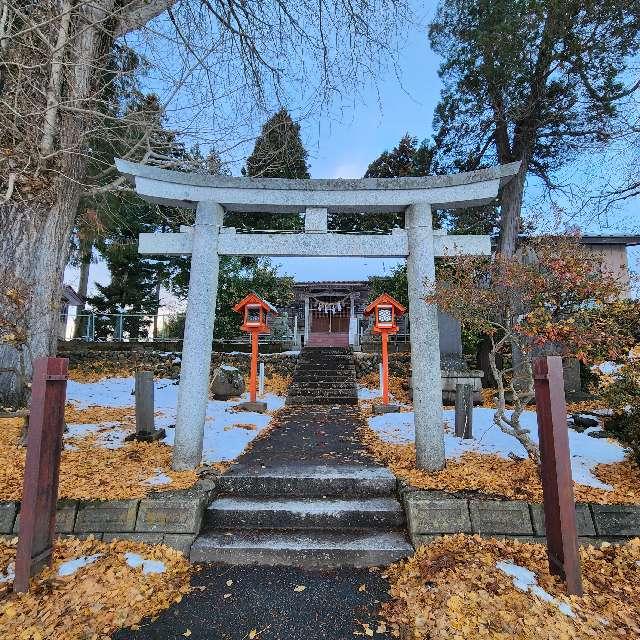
<point>211,196</point>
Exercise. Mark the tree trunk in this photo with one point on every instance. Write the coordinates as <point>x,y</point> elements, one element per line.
<point>86,254</point>
<point>34,236</point>
<point>35,243</point>
<point>511,210</point>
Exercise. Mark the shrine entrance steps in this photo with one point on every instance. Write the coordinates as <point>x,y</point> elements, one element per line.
<point>305,495</point>
<point>328,339</point>
<point>324,376</point>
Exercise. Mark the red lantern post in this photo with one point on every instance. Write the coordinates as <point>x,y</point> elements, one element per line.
<point>254,311</point>
<point>385,310</point>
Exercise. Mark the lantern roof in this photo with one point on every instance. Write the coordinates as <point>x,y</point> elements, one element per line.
<point>254,298</point>
<point>385,298</point>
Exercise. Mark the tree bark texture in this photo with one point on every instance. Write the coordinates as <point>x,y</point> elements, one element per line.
<point>34,236</point>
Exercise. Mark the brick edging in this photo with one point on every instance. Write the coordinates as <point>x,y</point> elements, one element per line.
<point>431,514</point>
<point>170,517</point>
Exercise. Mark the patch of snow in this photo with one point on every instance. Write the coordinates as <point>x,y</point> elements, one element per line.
<point>10,574</point>
<point>608,368</point>
<point>228,367</point>
<point>368,394</point>
<point>148,565</point>
<point>525,580</point>
<point>109,434</point>
<point>69,567</point>
<point>293,352</point>
<point>159,479</point>
<point>586,452</point>
<point>219,444</point>
<point>176,360</point>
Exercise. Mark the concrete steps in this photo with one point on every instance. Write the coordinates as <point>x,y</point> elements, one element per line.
<point>313,550</point>
<point>313,516</point>
<point>324,376</point>
<point>310,481</point>
<point>304,513</point>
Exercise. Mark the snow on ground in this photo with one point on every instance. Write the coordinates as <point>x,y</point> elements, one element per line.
<point>9,575</point>
<point>586,452</point>
<point>222,439</point>
<point>69,567</point>
<point>526,580</point>
<point>364,393</point>
<point>148,565</point>
<point>158,479</point>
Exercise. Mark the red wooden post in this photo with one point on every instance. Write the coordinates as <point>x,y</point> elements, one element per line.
<point>385,367</point>
<point>42,467</point>
<point>254,366</point>
<point>555,472</point>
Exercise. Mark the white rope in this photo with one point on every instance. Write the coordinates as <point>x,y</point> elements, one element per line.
<point>330,307</point>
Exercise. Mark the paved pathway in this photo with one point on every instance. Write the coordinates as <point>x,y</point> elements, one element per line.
<point>262,597</point>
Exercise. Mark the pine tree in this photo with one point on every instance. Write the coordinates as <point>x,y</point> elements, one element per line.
<point>278,152</point>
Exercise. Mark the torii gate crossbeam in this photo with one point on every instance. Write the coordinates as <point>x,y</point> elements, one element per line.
<point>211,196</point>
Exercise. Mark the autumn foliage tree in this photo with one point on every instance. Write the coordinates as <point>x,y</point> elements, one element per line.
<point>554,298</point>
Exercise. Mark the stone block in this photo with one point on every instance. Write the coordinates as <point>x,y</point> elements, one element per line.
<point>426,515</point>
<point>381,409</point>
<point>106,516</point>
<point>490,517</point>
<point>180,541</point>
<point>584,521</point>
<point>82,536</point>
<point>134,536</point>
<point>616,519</point>
<point>8,512</point>
<point>65,517</point>
<point>256,407</point>
<point>173,513</point>
<point>421,539</point>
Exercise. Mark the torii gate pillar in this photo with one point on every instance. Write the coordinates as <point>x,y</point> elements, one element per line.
<point>425,340</point>
<point>193,392</point>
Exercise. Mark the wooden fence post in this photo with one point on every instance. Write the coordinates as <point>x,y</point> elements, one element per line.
<point>464,411</point>
<point>555,472</point>
<point>42,467</point>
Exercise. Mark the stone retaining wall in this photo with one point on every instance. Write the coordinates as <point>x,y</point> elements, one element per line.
<point>167,364</point>
<point>171,517</point>
<point>431,514</point>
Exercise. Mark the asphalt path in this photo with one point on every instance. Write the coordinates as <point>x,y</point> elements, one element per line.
<point>269,603</point>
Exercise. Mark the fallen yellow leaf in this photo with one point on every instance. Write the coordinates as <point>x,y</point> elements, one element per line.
<point>299,588</point>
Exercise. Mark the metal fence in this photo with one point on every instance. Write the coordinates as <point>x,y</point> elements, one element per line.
<point>90,326</point>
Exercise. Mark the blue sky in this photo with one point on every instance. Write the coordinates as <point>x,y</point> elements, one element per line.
<point>343,141</point>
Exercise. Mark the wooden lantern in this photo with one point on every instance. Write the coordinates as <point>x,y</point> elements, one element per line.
<point>385,311</point>
<point>254,312</point>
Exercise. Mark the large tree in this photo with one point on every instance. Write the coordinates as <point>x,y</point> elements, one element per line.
<point>535,81</point>
<point>55,76</point>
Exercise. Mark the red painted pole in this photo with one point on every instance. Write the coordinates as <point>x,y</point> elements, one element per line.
<point>42,467</point>
<point>254,366</point>
<point>385,368</point>
<point>555,472</point>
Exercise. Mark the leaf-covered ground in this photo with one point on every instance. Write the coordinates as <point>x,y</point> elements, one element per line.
<point>125,583</point>
<point>496,476</point>
<point>453,589</point>
<point>90,471</point>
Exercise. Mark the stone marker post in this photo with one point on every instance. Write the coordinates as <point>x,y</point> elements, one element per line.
<point>425,342</point>
<point>145,409</point>
<point>193,393</point>
<point>464,411</point>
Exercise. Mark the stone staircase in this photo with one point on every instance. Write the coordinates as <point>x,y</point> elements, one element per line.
<point>312,516</point>
<point>324,375</point>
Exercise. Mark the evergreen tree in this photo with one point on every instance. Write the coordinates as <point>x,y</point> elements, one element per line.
<point>135,280</point>
<point>278,152</point>
<point>535,81</point>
